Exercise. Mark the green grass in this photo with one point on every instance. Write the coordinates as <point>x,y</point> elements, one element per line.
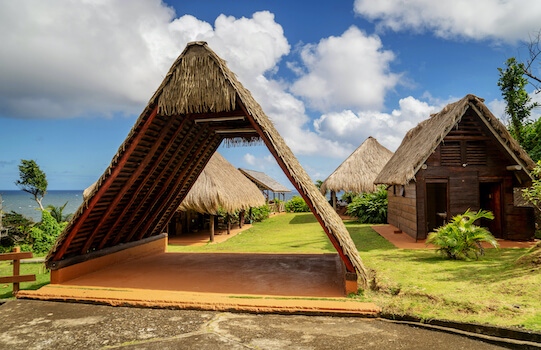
<point>6,269</point>
<point>419,283</point>
<point>491,290</point>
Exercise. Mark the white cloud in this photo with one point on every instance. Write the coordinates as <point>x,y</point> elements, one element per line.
<point>250,159</point>
<point>65,59</point>
<point>388,128</point>
<point>508,20</point>
<point>260,163</point>
<point>349,71</point>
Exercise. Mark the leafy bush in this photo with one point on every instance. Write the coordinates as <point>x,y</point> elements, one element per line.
<point>44,234</point>
<point>18,229</point>
<point>349,197</point>
<point>259,213</point>
<point>369,208</point>
<point>297,205</point>
<point>460,237</point>
<point>533,194</point>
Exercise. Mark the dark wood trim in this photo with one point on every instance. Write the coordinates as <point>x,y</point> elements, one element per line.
<point>55,265</point>
<point>235,113</point>
<point>208,119</point>
<point>105,186</point>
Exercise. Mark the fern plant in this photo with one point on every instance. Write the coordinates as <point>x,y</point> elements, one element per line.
<point>461,238</point>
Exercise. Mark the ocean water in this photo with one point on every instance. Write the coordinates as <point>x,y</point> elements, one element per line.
<point>24,203</point>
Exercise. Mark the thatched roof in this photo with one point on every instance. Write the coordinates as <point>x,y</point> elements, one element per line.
<point>264,181</point>
<point>221,185</point>
<point>421,141</point>
<point>199,104</point>
<point>358,172</point>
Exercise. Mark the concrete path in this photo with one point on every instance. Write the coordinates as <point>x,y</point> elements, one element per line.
<point>32,324</point>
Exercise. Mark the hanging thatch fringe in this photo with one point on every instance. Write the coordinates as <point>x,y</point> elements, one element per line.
<point>221,185</point>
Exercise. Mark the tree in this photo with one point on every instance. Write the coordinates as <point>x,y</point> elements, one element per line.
<point>534,48</point>
<point>519,106</point>
<point>32,180</point>
<point>533,194</point>
<point>58,213</point>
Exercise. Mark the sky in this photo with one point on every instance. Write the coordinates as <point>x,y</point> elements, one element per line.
<point>76,74</point>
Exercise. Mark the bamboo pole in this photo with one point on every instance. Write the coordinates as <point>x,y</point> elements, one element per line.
<point>211,228</point>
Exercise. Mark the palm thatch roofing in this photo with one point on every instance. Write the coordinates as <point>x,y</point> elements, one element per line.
<point>221,186</point>
<point>421,141</point>
<point>358,172</point>
<point>264,181</point>
<point>199,104</point>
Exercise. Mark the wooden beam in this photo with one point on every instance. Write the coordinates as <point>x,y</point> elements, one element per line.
<point>217,119</point>
<point>211,224</point>
<point>266,139</point>
<point>174,196</point>
<point>514,167</point>
<point>17,279</point>
<point>142,184</point>
<point>236,131</point>
<point>133,177</point>
<point>235,113</point>
<point>466,138</point>
<point>174,171</point>
<point>242,135</point>
<point>166,216</point>
<point>105,186</point>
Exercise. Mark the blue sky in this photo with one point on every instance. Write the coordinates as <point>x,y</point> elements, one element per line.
<point>74,75</point>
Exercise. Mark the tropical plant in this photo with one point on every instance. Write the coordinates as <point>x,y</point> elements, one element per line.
<point>349,196</point>
<point>533,194</point>
<point>369,208</point>
<point>297,205</point>
<point>17,228</point>
<point>259,214</point>
<point>512,83</point>
<point>461,237</point>
<point>32,180</point>
<point>58,213</point>
<point>44,234</point>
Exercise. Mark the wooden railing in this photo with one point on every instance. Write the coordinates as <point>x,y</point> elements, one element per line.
<point>16,256</point>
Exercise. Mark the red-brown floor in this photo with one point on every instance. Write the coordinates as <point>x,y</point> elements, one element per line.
<point>307,275</point>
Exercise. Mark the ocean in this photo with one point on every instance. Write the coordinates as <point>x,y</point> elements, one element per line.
<point>24,203</point>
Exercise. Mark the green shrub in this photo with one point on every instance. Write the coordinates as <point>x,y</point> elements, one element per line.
<point>259,214</point>
<point>349,197</point>
<point>297,205</point>
<point>18,229</point>
<point>460,237</point>
<point>44,234</point>
<point>369,208</point>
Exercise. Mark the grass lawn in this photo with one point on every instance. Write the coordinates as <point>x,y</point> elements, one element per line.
<point>412,282</point>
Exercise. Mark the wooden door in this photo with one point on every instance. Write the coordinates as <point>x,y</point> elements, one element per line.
<point>491,199</point>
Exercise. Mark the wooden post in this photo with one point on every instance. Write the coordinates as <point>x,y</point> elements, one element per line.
<point>16,270</point>
<point>333,196</point>
<point>241,218</point>
<point>211,228</point>
<point>228,221</point>
<point>16,256</point>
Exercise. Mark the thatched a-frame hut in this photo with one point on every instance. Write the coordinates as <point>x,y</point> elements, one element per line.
<point>265,183</point>
<point>219,186</point>
<point>358,172</point>
<point>199,104</point>
<point>460,158</point>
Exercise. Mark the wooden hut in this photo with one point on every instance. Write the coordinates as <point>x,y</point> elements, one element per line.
<point>219,186</point>
<point>358,172</point>
<point>199,104</point>
<point>460,158</point>
<point>266,184</point>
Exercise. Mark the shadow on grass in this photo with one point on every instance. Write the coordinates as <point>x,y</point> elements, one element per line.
<point>34,286</point>
<point>303,218</point>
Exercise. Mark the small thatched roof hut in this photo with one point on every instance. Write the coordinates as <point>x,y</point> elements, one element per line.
<point>265,183</point>
<point>358,172</point>
<point>221,185</point>
<point>199,104</point>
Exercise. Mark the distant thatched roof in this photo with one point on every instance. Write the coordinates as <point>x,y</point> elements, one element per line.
<point>421,141</point>
<point>358,172</point>
<point>264,181</point>
<point>199,104</point>
<point>221,185</point>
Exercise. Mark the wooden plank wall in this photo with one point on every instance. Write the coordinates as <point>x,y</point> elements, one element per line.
<point>402,212</point>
